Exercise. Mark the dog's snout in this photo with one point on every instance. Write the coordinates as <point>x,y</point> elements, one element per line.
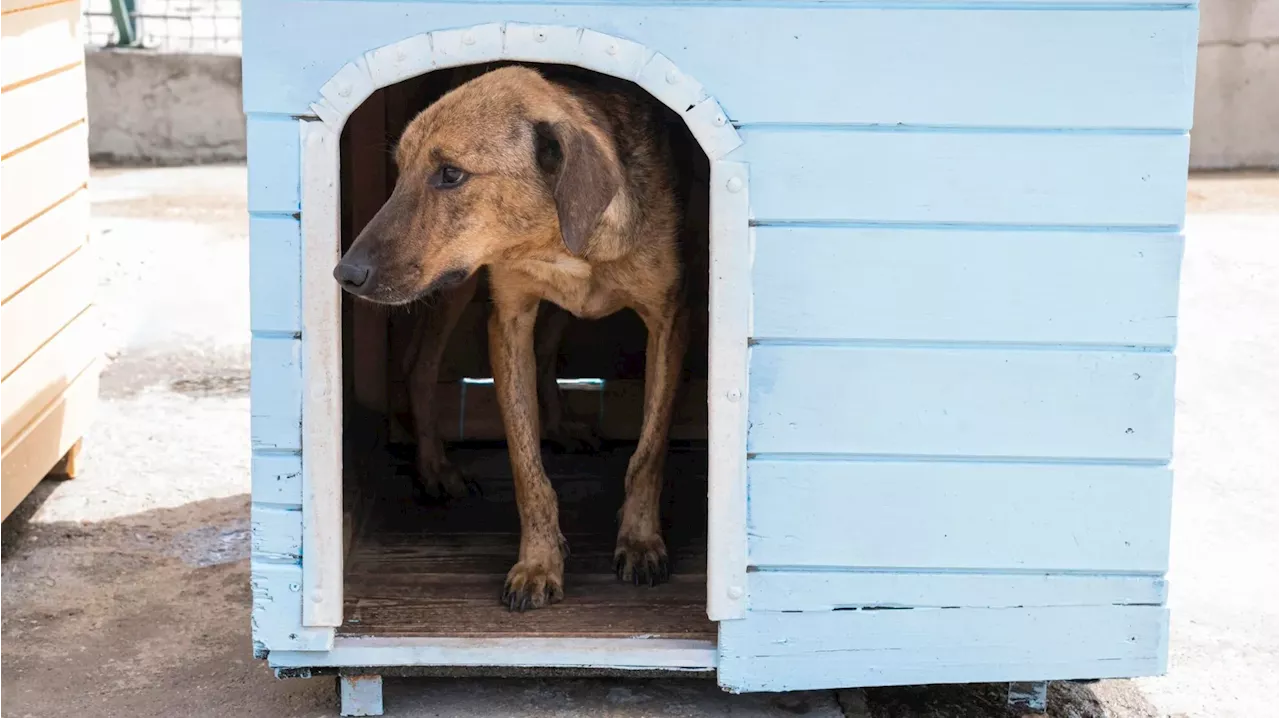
<point>351,275</point>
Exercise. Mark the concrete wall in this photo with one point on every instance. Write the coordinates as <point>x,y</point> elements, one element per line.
<point>1236,85</point>
<point>152,108</point>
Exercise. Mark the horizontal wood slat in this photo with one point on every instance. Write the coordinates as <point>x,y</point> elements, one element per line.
<point>1006,403</point>
<point>34,452</point>
<point>1076,179</point>
<point>799,651</point>
<point>43,378</point>
<point>915,65</point>
<point>42,175</point>
<point>37,41</point>
<point>39,109</point>
<point>971,516</point>
<point>275,274</point>
<point>10,7</point>
<point>274,169</point>
<point>37,313</point>
<point>46,240</point>
<point>624,654</point>
<point>966,286</point>
<point>277,533</point>
<point>275,389</point>
<point>277,479</point>
<point>836,590</point>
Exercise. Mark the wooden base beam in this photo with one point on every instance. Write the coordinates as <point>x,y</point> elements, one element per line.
<point>1029,699</point>
<point>69,466</point>
<point>360,695</point>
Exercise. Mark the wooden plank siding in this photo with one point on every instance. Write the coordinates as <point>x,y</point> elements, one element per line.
<point>944,66</point>
<point>969,516</point>
<point>39,41</point>
<point>48,357</point>
<point>949,177</point>
<point>961,403</point>
<point>276,387</point>
<point>1023,286</point>
<point>951,645</point>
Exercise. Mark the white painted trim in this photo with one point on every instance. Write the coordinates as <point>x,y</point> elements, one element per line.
<point>605,653</point>
<point>559,44</point>
<point>322,379</point>
<point>730,284</point>
<point>730,306</point>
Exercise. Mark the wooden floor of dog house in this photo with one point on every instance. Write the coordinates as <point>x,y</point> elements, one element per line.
<point>418,570</point>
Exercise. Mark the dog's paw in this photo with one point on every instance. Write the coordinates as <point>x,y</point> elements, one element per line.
<point>440,481</point>
<point>641,561</point>
<point>533,584</point>
<point>573,437</point>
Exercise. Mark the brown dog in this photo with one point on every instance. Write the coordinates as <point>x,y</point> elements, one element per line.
<point>565,193</point>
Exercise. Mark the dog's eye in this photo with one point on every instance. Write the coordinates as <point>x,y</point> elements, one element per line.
<point>447,177</point>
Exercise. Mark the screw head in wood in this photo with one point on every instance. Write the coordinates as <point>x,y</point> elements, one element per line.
<point>468,38</point>
<point>720,120</point>
<point>735,592</point>
<point>344,90</point>
<point>733,395</point>
<point>540,36</point>
<point>673,76</point>
<point>612,49</point>
<point>734,185</point>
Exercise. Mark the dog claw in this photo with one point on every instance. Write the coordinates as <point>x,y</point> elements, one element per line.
<point>530,586</point>
<point>642,563</point>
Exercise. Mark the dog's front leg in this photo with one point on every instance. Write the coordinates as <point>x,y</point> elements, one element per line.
<point>641,554</point>
<point>438,477</point>
<point>537,579</point>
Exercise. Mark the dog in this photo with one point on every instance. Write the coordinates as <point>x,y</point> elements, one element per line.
<point>564,192</point>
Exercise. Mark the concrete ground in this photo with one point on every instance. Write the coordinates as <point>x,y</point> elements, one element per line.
<point>126,590</point>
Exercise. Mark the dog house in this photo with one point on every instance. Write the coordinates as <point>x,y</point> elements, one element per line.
<point>925,425</point>
<point>49,345</point>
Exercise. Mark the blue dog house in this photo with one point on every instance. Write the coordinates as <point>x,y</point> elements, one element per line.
<point>926,428</point>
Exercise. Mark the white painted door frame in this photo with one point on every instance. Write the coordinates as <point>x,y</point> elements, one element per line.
<point>730,288</point>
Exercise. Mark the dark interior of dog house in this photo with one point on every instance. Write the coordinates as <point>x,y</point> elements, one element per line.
<point>418,564</point>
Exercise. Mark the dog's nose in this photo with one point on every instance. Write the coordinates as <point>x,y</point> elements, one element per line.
<point>350,275</point>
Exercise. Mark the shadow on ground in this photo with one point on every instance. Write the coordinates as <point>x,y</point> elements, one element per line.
<point>146,615</point>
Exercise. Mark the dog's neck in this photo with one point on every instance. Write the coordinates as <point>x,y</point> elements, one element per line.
<point>576,283</point>
<point>568,281</point>
<point>613,237</point>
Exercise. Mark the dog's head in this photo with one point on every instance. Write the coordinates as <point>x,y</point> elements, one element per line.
<point>503,163</point>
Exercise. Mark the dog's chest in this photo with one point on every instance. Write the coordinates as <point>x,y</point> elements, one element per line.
<point>572,284</point>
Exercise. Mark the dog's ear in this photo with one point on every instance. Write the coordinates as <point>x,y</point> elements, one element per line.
<point>582,178</point>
